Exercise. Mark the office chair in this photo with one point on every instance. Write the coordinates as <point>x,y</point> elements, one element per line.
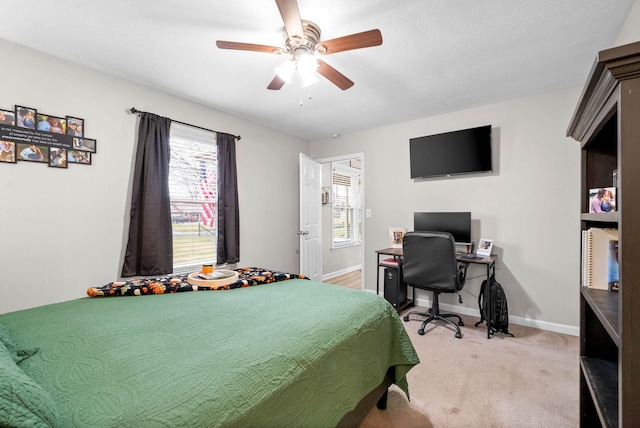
<point>430,264</point>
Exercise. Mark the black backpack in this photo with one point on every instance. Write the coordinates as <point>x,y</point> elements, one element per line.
<point>498,318</point>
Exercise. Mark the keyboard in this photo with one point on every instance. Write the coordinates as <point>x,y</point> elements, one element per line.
<point>469,256</point>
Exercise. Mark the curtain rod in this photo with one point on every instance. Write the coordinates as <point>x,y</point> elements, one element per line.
<point>135,111</point>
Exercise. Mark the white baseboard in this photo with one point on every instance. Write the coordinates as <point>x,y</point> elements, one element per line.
<point>527,322</point>
<point>341,272</point>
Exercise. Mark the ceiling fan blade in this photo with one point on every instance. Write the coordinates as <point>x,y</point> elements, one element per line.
<point>276,83</point>
<point>354,41</point>
<point>222,44</point>
<point>291,17</point>
<point>334,76</point>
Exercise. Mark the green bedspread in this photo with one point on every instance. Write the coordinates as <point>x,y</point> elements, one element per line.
<point>294,353</point>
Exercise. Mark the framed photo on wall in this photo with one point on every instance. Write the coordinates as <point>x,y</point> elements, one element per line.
<point>484,247</point>
<point>48,123</point>
<point>75,126</point>
<point>58,157</point>
<point>32,153</point>
<point>7,117</point>
<point>78,156</point>
<point>7,151</point>
<point>86,144</point>
<point>26,117</point>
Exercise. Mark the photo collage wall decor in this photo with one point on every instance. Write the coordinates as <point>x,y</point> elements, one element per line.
<point>29,136</point>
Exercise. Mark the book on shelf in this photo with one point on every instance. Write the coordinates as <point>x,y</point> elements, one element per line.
<point>599,258</point>
<point>614,267</point>
<point>392,262</point>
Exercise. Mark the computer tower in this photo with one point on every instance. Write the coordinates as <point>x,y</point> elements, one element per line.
<point>395,289</point>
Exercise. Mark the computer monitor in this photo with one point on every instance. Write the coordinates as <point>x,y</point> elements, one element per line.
<point>456,223</point>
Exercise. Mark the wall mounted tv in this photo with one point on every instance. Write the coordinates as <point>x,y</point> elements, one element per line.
<point>459,152</point>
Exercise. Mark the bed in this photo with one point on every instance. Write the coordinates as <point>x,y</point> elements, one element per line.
<point>289,353</point>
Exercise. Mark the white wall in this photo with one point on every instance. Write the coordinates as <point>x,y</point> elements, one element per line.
<point>630,32</point>
<point>63,230</point>
<point>529,205</point>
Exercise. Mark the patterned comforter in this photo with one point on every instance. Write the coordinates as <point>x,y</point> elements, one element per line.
<point>247,277</point>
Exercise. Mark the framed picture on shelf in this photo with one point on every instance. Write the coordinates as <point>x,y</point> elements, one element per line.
<point>484,247</point>
<point>602,200</point>
<point>395,236</point>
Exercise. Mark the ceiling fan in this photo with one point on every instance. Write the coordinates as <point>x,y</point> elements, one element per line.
<point>302,43</point>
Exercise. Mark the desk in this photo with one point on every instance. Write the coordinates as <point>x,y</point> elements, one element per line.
<point>396,253</point>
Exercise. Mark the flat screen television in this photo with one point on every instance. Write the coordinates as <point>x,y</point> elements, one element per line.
<point>456,223</point>
<point>459,152</point>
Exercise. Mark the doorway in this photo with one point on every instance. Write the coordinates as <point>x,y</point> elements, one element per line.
<point>342,226</point>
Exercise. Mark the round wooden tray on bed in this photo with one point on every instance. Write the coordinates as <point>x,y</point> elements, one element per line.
<point>193,279</point>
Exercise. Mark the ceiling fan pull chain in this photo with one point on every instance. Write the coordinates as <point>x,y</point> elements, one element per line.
<point>300,95</point>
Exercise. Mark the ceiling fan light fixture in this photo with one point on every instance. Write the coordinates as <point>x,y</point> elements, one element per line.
<point>307,64</point>
<point>302,41</point>
<point>285,71</point>
<point>309,79</point>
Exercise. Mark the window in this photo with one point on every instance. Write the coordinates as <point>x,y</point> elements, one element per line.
<point>193,193</point>
<point>347,206</point>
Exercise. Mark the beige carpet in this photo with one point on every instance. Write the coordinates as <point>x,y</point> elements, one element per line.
<point>527,381</point>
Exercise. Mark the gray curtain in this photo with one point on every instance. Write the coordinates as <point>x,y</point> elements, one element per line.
<point>228,210</point>
<point>150,245</point>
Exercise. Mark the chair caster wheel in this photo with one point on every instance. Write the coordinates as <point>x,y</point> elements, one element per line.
<point>460,323</point>
<point>421,332</point>
<point>406,318</point>
<point>458,335</point>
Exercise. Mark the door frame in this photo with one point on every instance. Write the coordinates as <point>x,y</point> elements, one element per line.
<point>360,156</point>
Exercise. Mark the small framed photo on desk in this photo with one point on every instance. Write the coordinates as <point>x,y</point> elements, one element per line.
<point>484,247</point>
<point>395,236</point>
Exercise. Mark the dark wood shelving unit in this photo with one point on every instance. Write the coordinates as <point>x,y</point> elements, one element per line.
<point>602,380</point>
<point>604,305</point>
<point>607,123</point>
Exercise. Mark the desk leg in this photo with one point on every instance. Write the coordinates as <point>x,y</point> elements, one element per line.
<point>487,294</point>
<point>487,298</point>
<point>378,276</point>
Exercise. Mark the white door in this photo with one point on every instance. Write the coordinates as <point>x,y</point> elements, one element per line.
<point>310,218</point>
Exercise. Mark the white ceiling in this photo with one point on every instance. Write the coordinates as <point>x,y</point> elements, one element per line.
<point>437,56</point>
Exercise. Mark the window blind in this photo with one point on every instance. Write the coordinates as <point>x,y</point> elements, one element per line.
<point>193,193</point>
